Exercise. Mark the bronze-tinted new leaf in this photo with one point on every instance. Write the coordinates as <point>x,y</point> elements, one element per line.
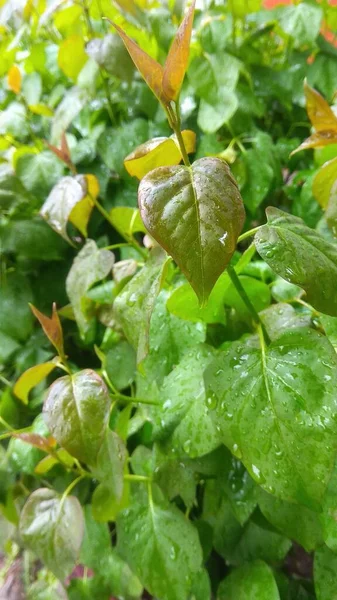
<point>38,441</point>
<point>52,327</point>
<point>148,67</point>
<point>177,59</point>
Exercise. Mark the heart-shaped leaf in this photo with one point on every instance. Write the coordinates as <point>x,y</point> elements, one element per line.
<point>76,410</point>
<point>196,213</point>
<point>301,256</point>
<point>53,528</point>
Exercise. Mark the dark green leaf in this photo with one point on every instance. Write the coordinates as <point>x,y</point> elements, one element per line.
<point>39,172</point>
<point>254,581</point>
<point>325,567</point>
<point>53,528</point>
<point>76,410</point>
<point>301,256</point>
<point>196,214</point>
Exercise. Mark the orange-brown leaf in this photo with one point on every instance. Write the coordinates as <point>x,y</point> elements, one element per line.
<point>318,140</point>
<point>319,111</point>
<point>177,59</point>
<point>148,67</point>
<point>36,440</point>
<point>14,79</point>
<point>52,327</point>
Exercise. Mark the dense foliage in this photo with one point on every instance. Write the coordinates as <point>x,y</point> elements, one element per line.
<point>168,374</point>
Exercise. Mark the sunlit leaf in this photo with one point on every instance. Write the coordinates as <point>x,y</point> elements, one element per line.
<point>319,112</point>
<point>48,462</point>
<point>149,68</point>
<point>41,109</point>
<point>72,56</point>
<point>177,59</point>
<point>14,79</point>
<point>76,410</point>
<point>53,529</point>
<point>30,378</point>
<point>196,213</point>
<point>318,140</point>
<point>52,327</point>
<point>325,182</point>
<point>158,152</point>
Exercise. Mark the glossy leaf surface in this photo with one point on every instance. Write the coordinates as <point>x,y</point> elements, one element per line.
<point>30,378</point>
<point>162,548</point>
<point>254,581</point>
<point>268,403</point>
<point>76,410</point>
<point>301,256</point>
<point>63,199</point>
<point>196,214</point>
<point>53,529</point>
<point>158,152</point>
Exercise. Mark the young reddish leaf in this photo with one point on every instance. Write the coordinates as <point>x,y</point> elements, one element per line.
<point>196,214</point>
<point>177,59</point>
<point>14,79</point>
<point>318,140</point>
<point>30,378</point>
<point>158,152</point>
<point>149,68</point>
<point>62,153</point>
<point>52,327</point>
<point>319,111</point>
<point>38,441</point>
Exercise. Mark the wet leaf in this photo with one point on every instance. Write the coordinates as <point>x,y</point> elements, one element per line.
<point>90,265</point>
<point>39,172</point>
<point>158,152</point>
<point>177,58</point>
<point>110,463</point>
<point>149,68</point>
<point>301,256</point>
<point>196,214</point>
<point>268,403</point>
<point>30,378</point>
<point>325,566</point>
<point>110,53</point>
<point>120,364</point>
<point>36,440</point>
<point>52,327</point>
<point>173,552</point>
<point>126,220</point>
<point>65,195</point>
<point>53,529</point>
<point>254,581</point>
<point>76,410</point>
<point>134,305</point>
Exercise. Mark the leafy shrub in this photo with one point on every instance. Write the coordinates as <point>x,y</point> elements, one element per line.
<point>168,408</point>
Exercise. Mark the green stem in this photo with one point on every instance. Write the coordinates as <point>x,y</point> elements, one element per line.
<point>7,425</point>
<point>248,233</point>
<point>174,122</point>
<point>108,97</point>
<point>115,246</point>
<point>71,487</point>
<point>130,241</point>
<point>124,398</point>
<point>141,478</point>
<point>242,293</point>
<point>5,381</point>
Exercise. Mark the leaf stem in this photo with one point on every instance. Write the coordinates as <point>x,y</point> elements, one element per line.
<point>130,241</point>
<point>71,487</point>
<point>174,122</point>
<point>124,398</point>
<point>140,478</point>
<point>248,233</point>
<point>242,293</point>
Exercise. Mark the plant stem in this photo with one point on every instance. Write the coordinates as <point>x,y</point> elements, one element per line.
<point>174,122</point>
<point>141,478</point>
<point>71,486</point>
<point>130,241</point>
<point>248,233</point>
<point>242,293</point>
<point>136,400</point>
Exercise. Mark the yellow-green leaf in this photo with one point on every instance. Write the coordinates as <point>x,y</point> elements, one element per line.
<point>177,59</point>
<point>31,378</point>
<point>318,140</point>
<point>41,109</point>
<point>319,112</point>
<point>49,461</point>
<point>148,67</point>
<point>72,56</point>
<point>158,152</point>
<point>324,181</point>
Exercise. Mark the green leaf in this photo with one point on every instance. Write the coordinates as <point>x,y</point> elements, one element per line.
<point>53,529</point>
<point>32,239</point>
<point>162,547</point>
<point>275,410</point>
<point>39,172</point>
<point>115,144</point>
<point>90,265</point>
<point>76,410</point>
<point>72,103</point>
<point>196,214</point>
<point>110,53</point>
<point>126,220</point>
<point>281,317</point>
<point>110,462</point>
<point>325,567</point>
<point>213,113</point>
<point>257,292</point>
<point>16,320</point>
<point>328,515</point>
<point>297,522</point>
<point>301,22</point>
<point>134,305</point>
<point>301,256</point>
<point>96,540</point>
<point>183,414</point>
<point>254,581</point>
<point>120,364</point>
